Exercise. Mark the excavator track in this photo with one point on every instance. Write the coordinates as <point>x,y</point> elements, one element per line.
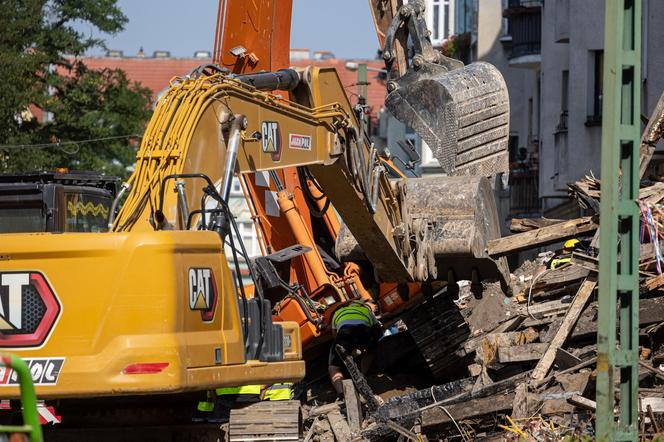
<point>439,331</point>
<point>266,421</point>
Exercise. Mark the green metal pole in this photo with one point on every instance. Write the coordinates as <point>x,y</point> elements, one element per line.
<point>362,82</point>
<point>31,423</point>
<point>362,91</point>
<point>619,222</point>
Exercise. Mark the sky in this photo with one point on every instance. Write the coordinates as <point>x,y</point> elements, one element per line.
<point>344,27</point>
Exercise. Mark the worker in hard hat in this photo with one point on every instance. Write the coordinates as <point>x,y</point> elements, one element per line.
<point>565,255</point>
<point>355,328</point>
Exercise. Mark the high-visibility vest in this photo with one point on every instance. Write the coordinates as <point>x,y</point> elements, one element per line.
<point>557,262</point>
<point>207,405</point>
<point>353,314</point>
<point>244,389</point>
<point>279,392</point>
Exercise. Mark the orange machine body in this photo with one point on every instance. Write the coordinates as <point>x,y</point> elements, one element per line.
<point>260,32</point>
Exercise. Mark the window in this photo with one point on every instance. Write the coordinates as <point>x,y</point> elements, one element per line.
<point>513,148</point>
<point>564,101</point>
<point>249,238</point>
<point>446,18</point>
<point>436,19</point>
<point>564,94</point>
<point>18,218</point>
<point>596,88</point>
<point>236,188</point>
<point>248,234</point>
<point>87,213</point>
<point>506,23</point>
<point>441,20</point>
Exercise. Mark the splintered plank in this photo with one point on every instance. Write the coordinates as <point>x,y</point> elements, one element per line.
<point>572,315</point>
<point>437,416</point>
<point>518,225</point>
<point>353,407</point>
<point>651,284</point>
<point>339,426</point>
<point>651,134</point>
<point>581,402</point>
<point>521,353</point>
<point>540,237</point>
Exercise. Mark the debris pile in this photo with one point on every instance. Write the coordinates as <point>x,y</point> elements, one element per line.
<point>519,366</point>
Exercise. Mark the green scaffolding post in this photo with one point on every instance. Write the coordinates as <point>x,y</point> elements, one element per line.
<point>619,223</point>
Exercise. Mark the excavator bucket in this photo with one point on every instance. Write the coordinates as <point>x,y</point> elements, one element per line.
<point>462,114</point>
<point>461,216</point>
<point>451,219</point>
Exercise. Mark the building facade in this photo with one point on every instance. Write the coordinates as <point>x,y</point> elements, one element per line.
<point>551,55</point>
<point>557,99</point>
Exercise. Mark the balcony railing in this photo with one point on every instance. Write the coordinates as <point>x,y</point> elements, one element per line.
<point>562,123</point>
<point>524,192</point>
<point>524,3</point>
<point>526,32</point>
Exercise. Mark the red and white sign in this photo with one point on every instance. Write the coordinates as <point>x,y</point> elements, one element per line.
<point>44,371</point>
<point>299,142</point>
<point>29,309</point>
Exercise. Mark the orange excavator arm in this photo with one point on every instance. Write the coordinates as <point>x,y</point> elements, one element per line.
<point>253,35</point>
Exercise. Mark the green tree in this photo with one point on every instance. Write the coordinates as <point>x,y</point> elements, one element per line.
<point>40,73</point>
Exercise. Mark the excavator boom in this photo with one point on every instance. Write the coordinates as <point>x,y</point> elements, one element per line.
<point>251,130</point>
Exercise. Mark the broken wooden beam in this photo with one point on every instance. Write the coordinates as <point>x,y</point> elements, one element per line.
<point>541,237</point>
<point>651,284</point>
<point>572,315</point>
<point>437,416</point>
<point>324,409</point>
<point>654,371</point>
<point>651,311</point>
<point>339,426</point>
<point>521,353</point>
<point>518,225</point>
<point>651,135</point>
<point>353,407</point>
<point>581,402</point>
<point>561,277</point>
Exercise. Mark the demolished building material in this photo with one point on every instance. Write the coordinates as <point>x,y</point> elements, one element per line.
<point>531,371</point>
<point>523,367</point>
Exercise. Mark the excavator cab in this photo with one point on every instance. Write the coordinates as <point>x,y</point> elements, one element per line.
<point>56,201</point>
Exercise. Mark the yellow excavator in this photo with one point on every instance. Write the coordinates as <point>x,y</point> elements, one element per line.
<point>154,307</point>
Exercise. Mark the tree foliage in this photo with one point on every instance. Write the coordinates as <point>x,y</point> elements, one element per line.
<point>41,75</point>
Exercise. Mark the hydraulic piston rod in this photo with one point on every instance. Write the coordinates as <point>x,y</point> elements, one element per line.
<point>281,80</point>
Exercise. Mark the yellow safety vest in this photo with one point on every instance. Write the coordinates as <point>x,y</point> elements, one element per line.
<point>354,314</point>
<point>244,389</point>
<point>557,262</point>
<point>279,392</point>
<point>207,405</point>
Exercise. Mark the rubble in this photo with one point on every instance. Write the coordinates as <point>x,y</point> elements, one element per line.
<point>519,367</point>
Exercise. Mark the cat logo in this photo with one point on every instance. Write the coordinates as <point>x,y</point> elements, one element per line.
<point>202,292</point>
<point>271,139</point>
<point>28,309</point>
